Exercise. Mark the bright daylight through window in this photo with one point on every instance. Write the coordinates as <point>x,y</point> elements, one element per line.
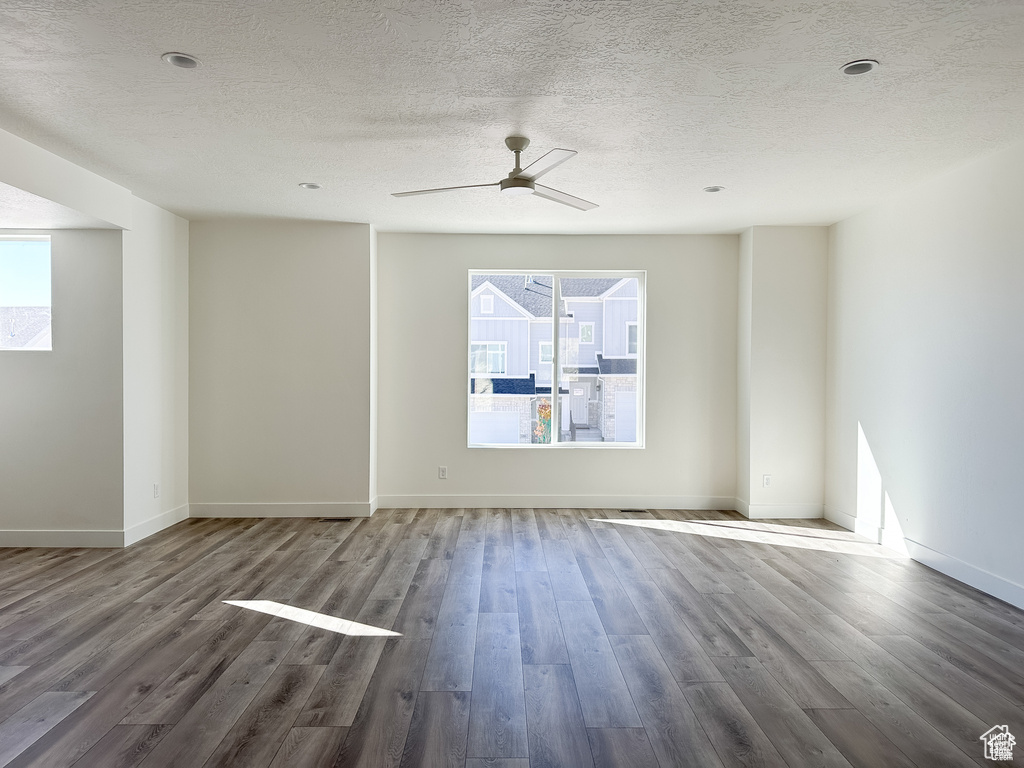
<point>25,293</point>
<point>513,358</point>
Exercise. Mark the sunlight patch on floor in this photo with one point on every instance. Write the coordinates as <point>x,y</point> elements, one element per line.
<point>777,535</point>
<point>313,619</point>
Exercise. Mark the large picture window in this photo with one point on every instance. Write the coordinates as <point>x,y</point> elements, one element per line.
<point>556,359</point>
<point>25,302</point>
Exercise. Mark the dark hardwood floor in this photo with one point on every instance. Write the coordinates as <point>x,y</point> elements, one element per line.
<point>501,638</point>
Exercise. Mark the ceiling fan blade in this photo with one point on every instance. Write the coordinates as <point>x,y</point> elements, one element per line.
<point>560,197</point>
<point>542,165</point>
<point>439,189</point>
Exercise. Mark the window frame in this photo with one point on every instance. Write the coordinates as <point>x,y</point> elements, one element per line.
<point>592,326</point>
<point>487,356</point>
<point>635,352</point>
<point>557,352</point>
<point>33,236</point>
<point>486,303</point>
<point>551,353</point>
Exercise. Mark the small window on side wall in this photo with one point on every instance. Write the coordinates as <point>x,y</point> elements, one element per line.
<point>25,303</point>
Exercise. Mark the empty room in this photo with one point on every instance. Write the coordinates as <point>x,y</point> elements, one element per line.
<point>545,383</point>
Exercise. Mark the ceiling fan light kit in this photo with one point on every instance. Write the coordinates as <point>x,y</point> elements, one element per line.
<point>523,181</point>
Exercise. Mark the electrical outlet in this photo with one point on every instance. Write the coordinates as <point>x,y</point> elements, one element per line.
<point>766,481</point>
<point>156,490</point>
<point>442,473</point>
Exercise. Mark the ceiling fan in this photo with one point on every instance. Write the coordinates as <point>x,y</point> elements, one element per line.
<point>523,181</point>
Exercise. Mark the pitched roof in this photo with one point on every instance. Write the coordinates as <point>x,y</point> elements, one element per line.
<point>533,292</point>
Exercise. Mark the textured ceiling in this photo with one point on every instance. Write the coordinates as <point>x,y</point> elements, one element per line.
<point>660,99</point>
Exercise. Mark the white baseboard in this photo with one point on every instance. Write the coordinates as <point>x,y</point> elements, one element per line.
<point>556,502</point>
<point>849,522</point>
<point>94,539</point>
<point>989,583</point>
<point>147,528</point>
<point>781,511</point>
<point>301,509</point>
<point>742,506</point>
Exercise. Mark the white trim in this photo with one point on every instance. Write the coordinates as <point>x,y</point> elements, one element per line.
<point>298,509</point>
<point>487,304</point>
<point>635,324</point>
<point>147,528</point>
<point>987,582</point>
<point>492,374</point>
<point>849,522</point>
<point>59,538</point>
<point>540,353</point>
<point>780,511</point>
<point>556,502</point>
<point>593,331</point>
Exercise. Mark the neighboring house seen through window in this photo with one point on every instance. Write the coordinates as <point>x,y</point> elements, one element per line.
<point>526,389</point>
<point>25,302</point>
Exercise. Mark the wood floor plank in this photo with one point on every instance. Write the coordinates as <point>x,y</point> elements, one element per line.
<point>335,700</point>
<point>169,701</point>
<point>123,746</point>
<point>378,734</point>
<point>687,642</point>
<point>604,697</point>
<point>526,541</point>
<point>566,579</point>
<point>861,743</point>
<point>782,720</point>
<point>794,672</point>
<point>498,580</point>
<point>613,605</point>
<point>681,650</point>
<point>710,629</point>
<point>438,732</point>
<point>615,747</point>
<point>945,714</point>
<point>309,748</point>
<point>450,663</point>
<point>215,713</point>
<point>257,734</point>
<point>497,725</point>
<point>539,628</point>
<point>31,722</point>
<point>441,544</point>
<point>922,743</point>
<point>78,733</point>
<point>730,727</point>
<point>672,727</point>
<point>558,737</point>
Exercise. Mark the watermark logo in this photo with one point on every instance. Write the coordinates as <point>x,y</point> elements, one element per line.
<point>998,743</point>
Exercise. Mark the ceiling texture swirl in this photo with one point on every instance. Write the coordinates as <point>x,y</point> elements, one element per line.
<point>660,98</point>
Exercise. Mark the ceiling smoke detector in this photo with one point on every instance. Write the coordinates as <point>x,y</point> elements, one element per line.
<point>859,67</point>
<point>309,185</point>
<point>178,59</point>
<point>714,188</point>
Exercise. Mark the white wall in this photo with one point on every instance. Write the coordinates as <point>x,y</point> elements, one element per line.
<point>926,353</point>
<point>782,356</point>
<point>280,330</point>
<point>690,454</point>
<point>61,467</point>
<point>155,296</point>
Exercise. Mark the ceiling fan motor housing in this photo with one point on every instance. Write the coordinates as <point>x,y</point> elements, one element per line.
<point>516,186</point>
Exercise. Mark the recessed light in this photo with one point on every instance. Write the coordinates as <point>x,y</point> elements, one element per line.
<point>309,185</point>
<point>859,67</point>
<point>714,188</point>
<point>183,60</point>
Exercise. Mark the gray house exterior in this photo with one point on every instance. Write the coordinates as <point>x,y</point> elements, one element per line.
<point>511,351</point>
